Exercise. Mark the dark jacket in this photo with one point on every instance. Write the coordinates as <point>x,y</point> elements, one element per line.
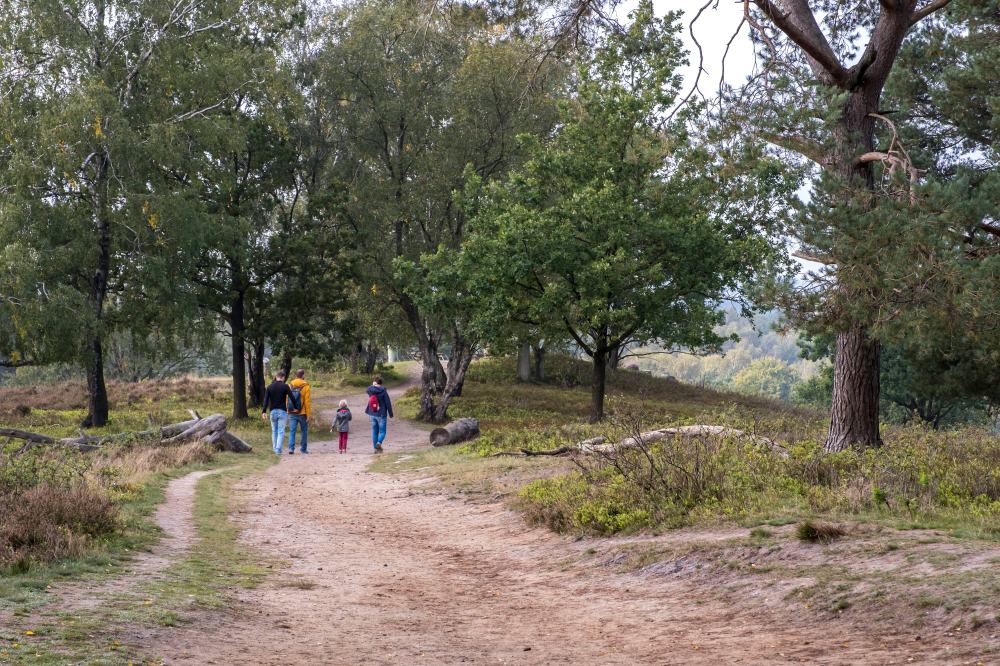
<point>384,404</point>
<point>342,422</point>
<point>275,396</point>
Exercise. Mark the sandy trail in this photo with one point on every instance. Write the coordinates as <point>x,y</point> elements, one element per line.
<point>175,517</point>
<point>378,575</point>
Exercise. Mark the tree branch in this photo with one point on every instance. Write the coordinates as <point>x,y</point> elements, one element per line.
<point>928,9</point>
<point>798,144</point>
<point>799,24</point>
<point>816,258</point>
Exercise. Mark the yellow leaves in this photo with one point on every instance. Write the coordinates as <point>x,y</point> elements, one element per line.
<point>29,632</point>
<point>374,289</point>
<point>153,221</point>
<point>98,130</point>
<point>344,102</point>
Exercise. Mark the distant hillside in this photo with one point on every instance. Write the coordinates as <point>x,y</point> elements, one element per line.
<point>763,361</point>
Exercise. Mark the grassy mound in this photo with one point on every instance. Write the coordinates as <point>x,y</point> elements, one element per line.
<point>920,478</point>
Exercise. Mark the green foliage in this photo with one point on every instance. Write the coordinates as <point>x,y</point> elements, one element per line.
<point>23,469</point>
<point>105,107</point>
<point>756,338</point>
<point>594,238</point>
<point>768,377</point>
<point>815,391</point>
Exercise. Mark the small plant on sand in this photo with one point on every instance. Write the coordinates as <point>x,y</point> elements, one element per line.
<point>818,532</point>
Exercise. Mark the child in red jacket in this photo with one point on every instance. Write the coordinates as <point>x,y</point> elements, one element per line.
<point>342,424</point>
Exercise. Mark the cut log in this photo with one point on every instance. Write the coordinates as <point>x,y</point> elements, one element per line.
<point>455,432</point>
<point>211,429</point>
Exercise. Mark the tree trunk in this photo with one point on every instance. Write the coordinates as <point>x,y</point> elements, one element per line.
<point>597,385</point>
<point>371,358</point>
<point>854,410</point>
<point>462,354</point>
<point>455,432</point>
<point>97,392</point>
<point>539,370</point>
<point>615,357</point>
<point>524,363</point>
<point>286,365</point>
<point>355,360</point>
<point>237,327</point>
<point>854,413</point>
<point>255,370</point>
<point>432,377</point>
<point>440,375</point>
<point>426,412</point>
<point>457,367</point>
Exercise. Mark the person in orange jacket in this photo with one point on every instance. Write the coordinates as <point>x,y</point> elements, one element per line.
<point>299,418</point>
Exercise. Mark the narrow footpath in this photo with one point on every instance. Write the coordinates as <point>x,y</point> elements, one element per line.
<point>386,576</point>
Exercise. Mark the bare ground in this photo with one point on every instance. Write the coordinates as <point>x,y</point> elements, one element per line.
<point>380,574</point>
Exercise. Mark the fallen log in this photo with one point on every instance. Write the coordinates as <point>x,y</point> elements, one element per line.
<point>455,432</point>
<point>600,445</point>
<point>211,429</point>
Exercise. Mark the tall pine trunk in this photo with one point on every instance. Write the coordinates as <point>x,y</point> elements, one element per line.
<point>97,392</point>
<point>854,411</point>
<point>854,414</point>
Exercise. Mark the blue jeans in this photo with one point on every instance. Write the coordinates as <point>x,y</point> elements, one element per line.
<point>378,428</point>
<point>296,420</point>
<point>279,419</point>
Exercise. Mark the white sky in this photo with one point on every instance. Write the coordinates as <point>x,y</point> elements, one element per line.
<point>713,30</point>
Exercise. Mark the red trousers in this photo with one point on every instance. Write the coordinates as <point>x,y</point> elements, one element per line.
<point>343,441</point>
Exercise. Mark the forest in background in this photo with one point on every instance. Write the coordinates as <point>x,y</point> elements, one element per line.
<point>320,182</point>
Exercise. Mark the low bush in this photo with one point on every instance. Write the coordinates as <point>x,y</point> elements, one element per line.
<point>818,532</point>
<point>48,522</point>
<point>921,477</point>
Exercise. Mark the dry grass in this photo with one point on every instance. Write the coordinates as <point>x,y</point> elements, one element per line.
<point>73,394</point>
<point>818,532</point>
<point>48,522</point>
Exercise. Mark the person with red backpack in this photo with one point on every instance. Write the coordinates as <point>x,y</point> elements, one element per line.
<point>379,411</point>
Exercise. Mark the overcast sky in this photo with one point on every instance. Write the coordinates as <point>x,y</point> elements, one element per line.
<point>713,30</point>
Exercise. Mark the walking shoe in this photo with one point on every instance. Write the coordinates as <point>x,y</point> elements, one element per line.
<point>291,453</point>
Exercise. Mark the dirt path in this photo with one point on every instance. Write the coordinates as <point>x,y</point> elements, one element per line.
<point>378,575</point>
<point>175,517</point>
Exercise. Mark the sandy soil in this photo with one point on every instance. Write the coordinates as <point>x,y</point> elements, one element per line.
<point>380,575</point>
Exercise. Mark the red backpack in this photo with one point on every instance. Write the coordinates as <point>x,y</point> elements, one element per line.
<point>373,403</point>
